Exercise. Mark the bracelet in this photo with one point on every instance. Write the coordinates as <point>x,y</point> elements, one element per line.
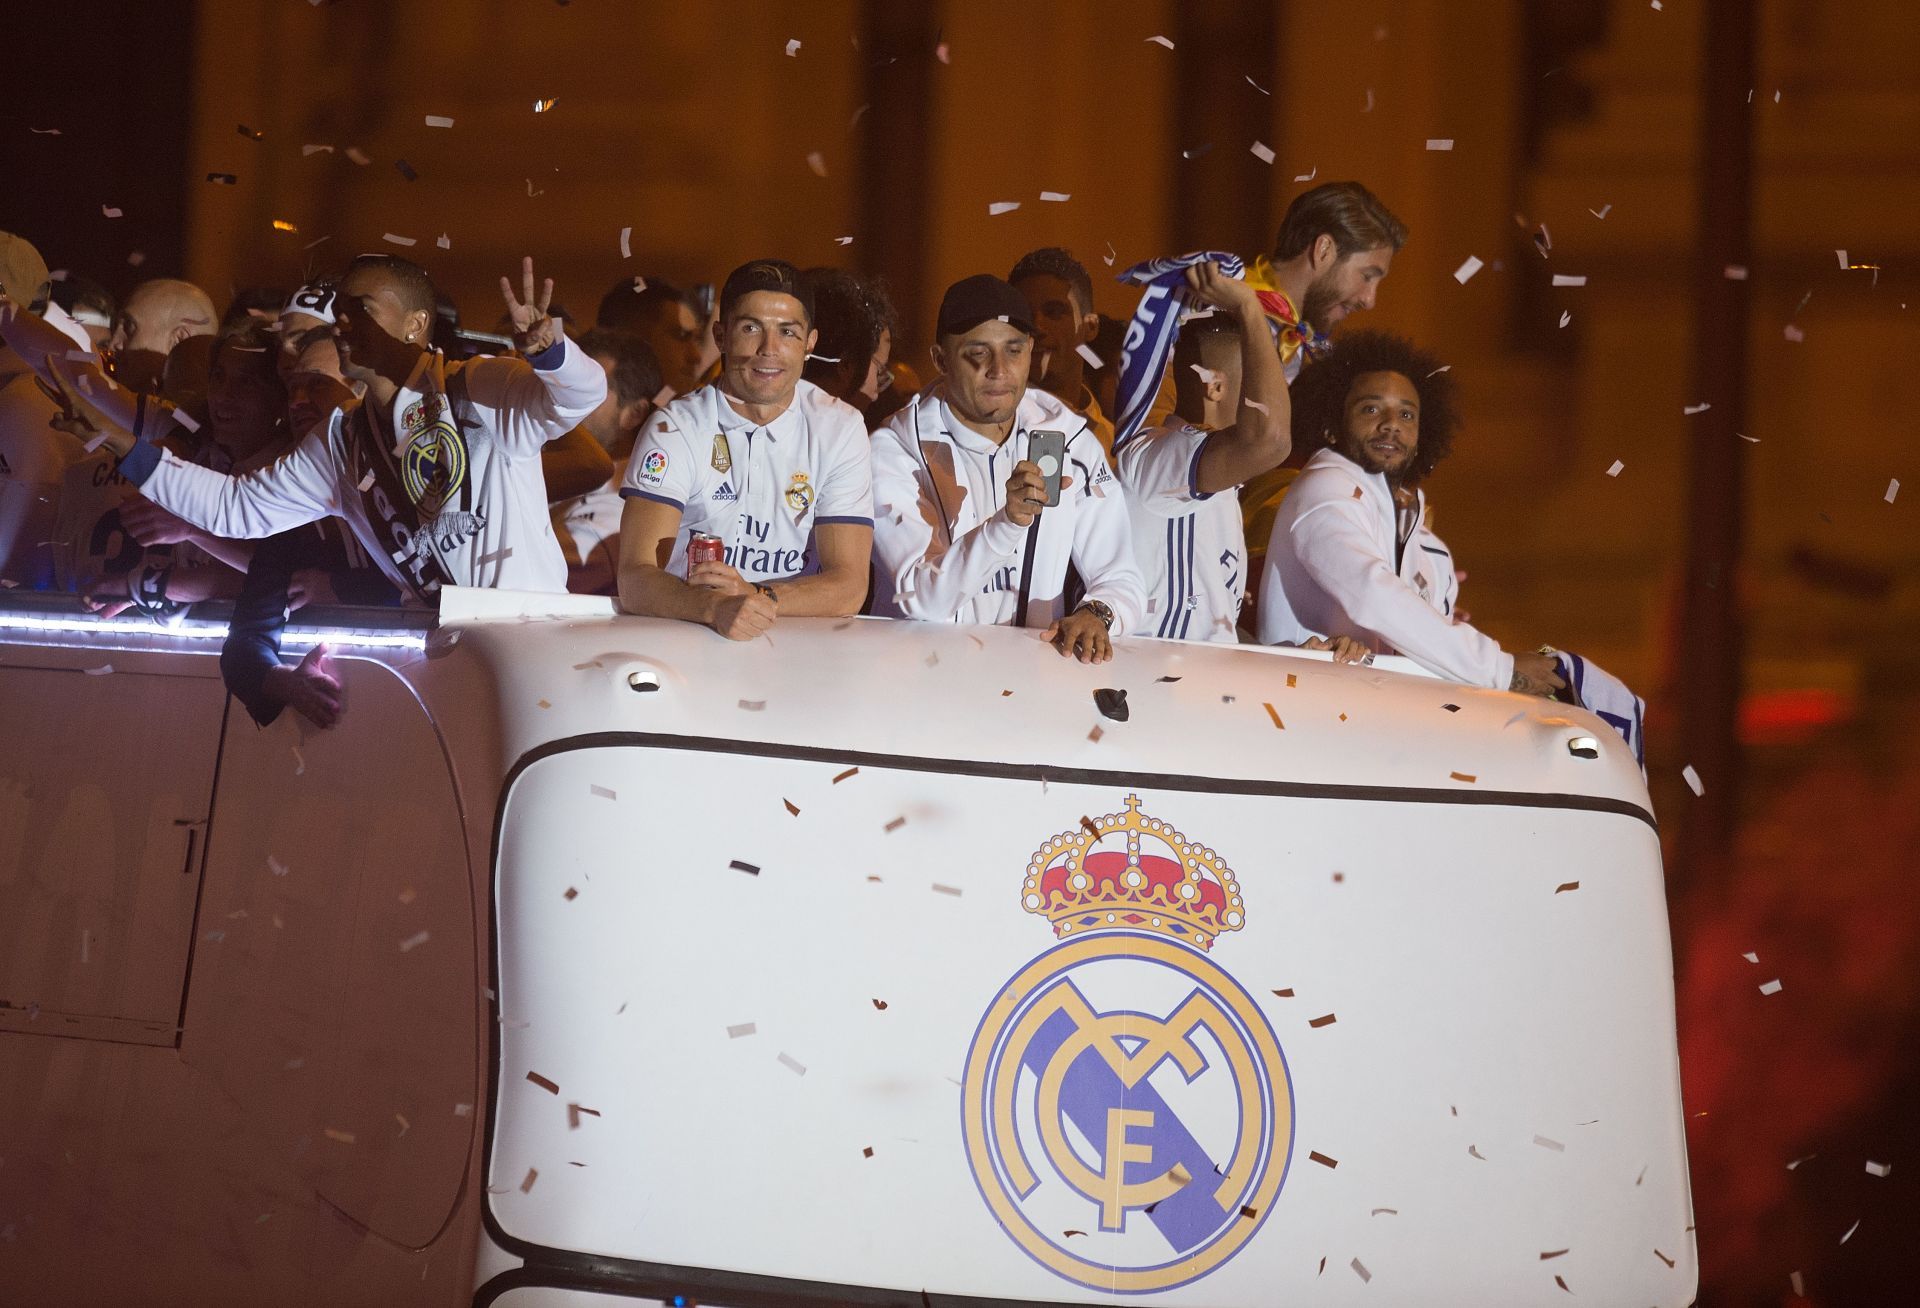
<point>766,590</point>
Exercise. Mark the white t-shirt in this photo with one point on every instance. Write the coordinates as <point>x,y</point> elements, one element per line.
<point>762,490</point>
<point>588,527</point>
<point>1190,545</point>
<point>944,548</point>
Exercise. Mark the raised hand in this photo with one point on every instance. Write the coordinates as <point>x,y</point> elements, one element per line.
<point>1207,284</point>
<point>533,330</point>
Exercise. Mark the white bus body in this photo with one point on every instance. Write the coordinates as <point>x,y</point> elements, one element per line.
<point>595,960</point>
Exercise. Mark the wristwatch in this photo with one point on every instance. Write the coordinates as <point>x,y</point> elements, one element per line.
<point>766,590</point>
<point>1100,611</point>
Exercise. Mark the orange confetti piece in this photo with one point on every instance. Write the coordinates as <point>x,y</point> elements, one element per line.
<point>1463,776</point>
<point>550,1087</point>
<point>1274,713</point>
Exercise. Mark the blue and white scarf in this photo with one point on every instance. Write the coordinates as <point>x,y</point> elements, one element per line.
<point>1593,688</point>
<point>1154,329</point>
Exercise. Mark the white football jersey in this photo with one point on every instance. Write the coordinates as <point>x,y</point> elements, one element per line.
<point>1191,546</point>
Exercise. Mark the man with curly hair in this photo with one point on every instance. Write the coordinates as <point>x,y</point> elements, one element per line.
<point>1351,553</point>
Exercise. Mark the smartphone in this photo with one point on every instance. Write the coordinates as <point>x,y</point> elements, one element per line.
<point>1048,449</point>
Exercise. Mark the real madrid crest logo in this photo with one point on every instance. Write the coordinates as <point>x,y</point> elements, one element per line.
<point>1127,1110</point>
<point>434,463</point>
<point>799,493</point>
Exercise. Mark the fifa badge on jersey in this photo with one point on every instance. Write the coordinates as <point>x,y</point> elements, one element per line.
<point>722,456</point>
<point>653,467</point>
<point>799,493</point>
<point>1122,1086</point>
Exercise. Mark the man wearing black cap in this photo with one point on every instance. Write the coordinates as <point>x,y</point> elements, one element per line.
<point>962,532</point>
<point>768,462</point>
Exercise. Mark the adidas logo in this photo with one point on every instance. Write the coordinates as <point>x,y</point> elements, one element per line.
<point>725,494</point>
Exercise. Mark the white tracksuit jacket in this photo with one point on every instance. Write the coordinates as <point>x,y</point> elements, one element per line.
<point>494,530</point>
<point>944,549</point>
<point>1340,564</point>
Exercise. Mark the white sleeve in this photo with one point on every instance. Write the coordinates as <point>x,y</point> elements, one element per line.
<point>846,486</point>
<point>917,573</point>
<point>1333,543</point>
<point>1159,470</point>
<point>535,401</point>
<point>297,488</point>
<point>1103,540</point>
<point>662,467</point>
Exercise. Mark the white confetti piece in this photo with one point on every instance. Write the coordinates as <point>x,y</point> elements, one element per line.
<point>1602,211</point>
<point>405,1125</point>
<point>1056,197</point>
<point>1693,779</point>
<point>1110,255</point>
<point>1261,151</point>
<point>541,106</point>
<point>86,948</point>
<point>1565,279</point>
<point>792,1064</point>
<point>463,1110</point>
<point>1772,987</point>
<point>1878,1169</point>
<point>366,482</point>
<point>793,49</point>
<point>1842,256</point>
<point>1688,410</point>
<point>1566,316</point>
<point>604,793</point>
<point>1735,272</point>
<point>1751,957</point>
<point>1614,471</point>
<point>999,207</point>
<point>1161,40</point>
<point>358,155</point>
<point>299,762</point>
<point>1893,489</point>
<point>276,867</point>
<point>1655,3</point>
<point>942,53</point>
<point>939,889</point>
<point>1545,1143</point>
<point>743,1029</point>
<point>1799,1286</point>
<point>1464,273</point>
<point>817,162</point>
<point>443,242</point>
<point>414,941</point>
<point>1850,1230</point>
<point>1794,334</point>
<point>185,419</point>
<point>1440,143</point>
<point>1085,351</point>
<point>104,670</point>
<point>436,120</point>
<point>306,150</point>
<point>1796,1162</point>
<point>1754,440</point>
<point>843,240</point>
<point>1309,175</point>
<point>626,242</point>
<point>108,211</point>
<point>399,240</point>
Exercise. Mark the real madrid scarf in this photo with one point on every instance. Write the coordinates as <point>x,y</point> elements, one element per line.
<point>1592,687</point>
<point>406,489</point>
<point>1151,334</point>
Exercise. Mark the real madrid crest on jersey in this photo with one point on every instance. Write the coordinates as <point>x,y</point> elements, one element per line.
<point>433,464</point>
<point>1126,1108</point>
<point>799,493</point>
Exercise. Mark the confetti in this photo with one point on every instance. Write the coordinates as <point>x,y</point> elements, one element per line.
<point>1850,1230</point>
<point>817,162</point>
<point>44,131</point>
<point>843,240</point>
<point>1095,735</point>
<point>753,705</point>
<point>1878,1169</point>
<point>550,1087</point>
<point>1326,1020</point>
<point>1161,40</point>
<point>1751,957</point>
<point>463,1110</point>
<point>406,170</point>
<point>1056,197</point>
<point>1463,776</point>
<point>880,1004</point>
<point>1360,1270</point>
<point>1315,1156</point>
<point>1561,1281</point>
<point>1688,410</point>
<point>575,1112</point>
<point>533,1174</point>
<point>1793,334</point>
<point>1602,211</point>
<point>1256,86</point>
<point>1440,143</point>
<point>1566,316</point>
<point>104,670</point>
<point>344,1137</point>
<point>280,869</point>
<point>108,211</point>
<point>282,225</point>
<point>999,207</point>
<point>626,239</point>
<point>405,1125</point>
<point>299,762</point>
<point>1566,886</point>
<point>1110,255</point>
<point>1693,780</point>
<point>939,889</point>
<point>1799,1287</point>
<point>541,106</point>
<point>1734,272</point>
<point>1564,279</point>
<point>1085,351</point>
<point>414,941</point>
<point>1893,489</point>
<point>1553,1253</point>
<point>867,1152</point>
<point>1474,1152</point>
<point>306,150</point>
<point>750,869</point>
<point>792,807</point>
<point>603,792</point>
<point>1842,256</point>
<point>743,1029</point>
<point>941,53</point>
<point>436,120</point>
<point>1274,713</point>
<point>1391,1212</point>
<point>1545,1143</point>
<point>571,895</point>
<point>1285,994</point>
<point>1616,469</point>
<point>400,240</point>
<point>793,49</point>
<point>792,1064</point>
<point>1261,151</point>
<point>1772,987</point>
<point>223,179</point>
<point>850,772</point>
<point>895,825</point>
<point>1464,273</point>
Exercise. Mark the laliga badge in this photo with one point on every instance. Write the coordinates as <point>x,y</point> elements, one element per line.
<point>722,456</point>
<point>799,494</point>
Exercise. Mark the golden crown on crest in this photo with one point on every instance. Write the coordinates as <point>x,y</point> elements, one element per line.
<point>1160,881</point>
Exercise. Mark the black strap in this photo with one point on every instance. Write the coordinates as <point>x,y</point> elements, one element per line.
<point>1026,573</point>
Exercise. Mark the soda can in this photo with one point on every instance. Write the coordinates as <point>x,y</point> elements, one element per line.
<point>702,548</point>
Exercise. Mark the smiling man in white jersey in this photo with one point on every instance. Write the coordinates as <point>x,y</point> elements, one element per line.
<point>962,531</point>
<point>1231,423</point>
<point>761,458</point>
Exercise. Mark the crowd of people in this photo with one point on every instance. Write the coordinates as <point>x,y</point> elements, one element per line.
<point>1215,469</point>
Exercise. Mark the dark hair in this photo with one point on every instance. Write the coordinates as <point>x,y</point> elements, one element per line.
<point>1200,339</point>
<point>415,289</point>
<point>74,293</point>
<point>248,300</point>
<point>624,309</point>
<point>636,372</point>
<point>774,275</point>
<point>1347,211</point>
<point>851,313</point>
<point>1052,261</point>
<point>1319,394</point>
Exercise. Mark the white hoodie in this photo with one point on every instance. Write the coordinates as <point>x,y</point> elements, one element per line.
<point>1343,561</point>
<point>493,529</point>
<point>944,548</point>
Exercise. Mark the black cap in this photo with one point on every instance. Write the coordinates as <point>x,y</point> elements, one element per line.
<point>973,300</point>
<point>775,275</point>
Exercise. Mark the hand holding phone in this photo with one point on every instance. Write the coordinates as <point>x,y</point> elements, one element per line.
<point>1047,450</point>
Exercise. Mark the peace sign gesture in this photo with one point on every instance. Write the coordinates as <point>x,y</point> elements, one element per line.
<point>533,330</point>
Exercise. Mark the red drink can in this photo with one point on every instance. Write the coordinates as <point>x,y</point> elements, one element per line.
<point>702,548</point>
